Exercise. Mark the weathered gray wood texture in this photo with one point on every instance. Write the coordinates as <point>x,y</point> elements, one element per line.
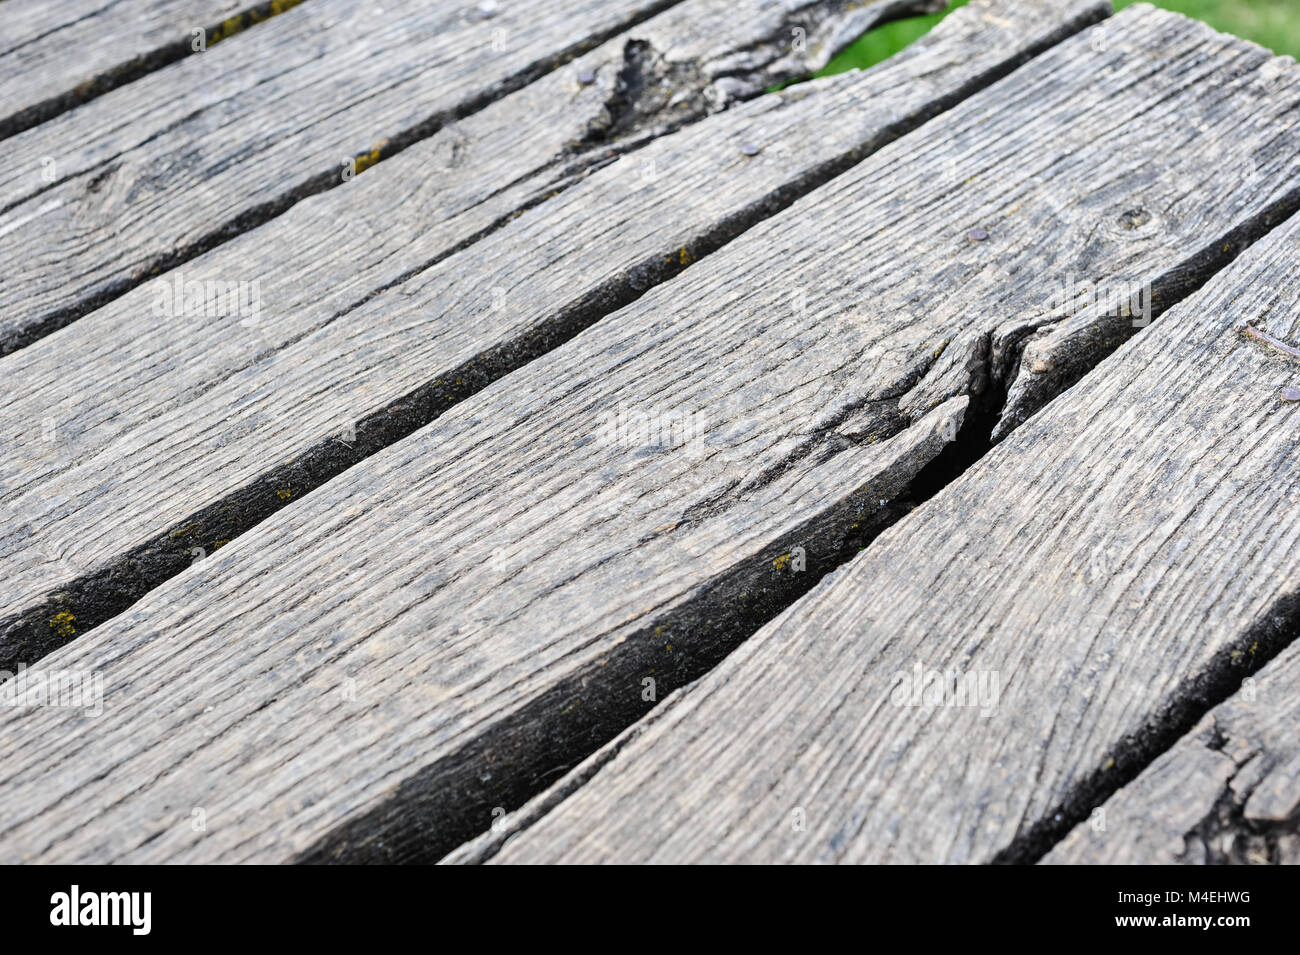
<point>444,625</point>
<point>166,167</point>
<point>137,440</point>
<point>1061,342</point>
<point>1118,563</point>
<point>55,54</point>
<point>1228,792</point>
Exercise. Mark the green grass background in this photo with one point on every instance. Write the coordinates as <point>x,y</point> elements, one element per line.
<point>1271,23</point>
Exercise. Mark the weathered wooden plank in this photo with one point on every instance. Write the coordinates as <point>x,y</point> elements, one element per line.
<point>157,171</point>
<point>55,55</point>
<point>1117,564</point>
<point>255,410</point>
<point>353,688</point>
<point>469,651</point>
<point>1060,342</point>
<point>1228,792</point>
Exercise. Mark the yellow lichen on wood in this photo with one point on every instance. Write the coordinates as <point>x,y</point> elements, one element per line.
<point>62,623</point>
<point>365,160</point>
<point>241,22</point>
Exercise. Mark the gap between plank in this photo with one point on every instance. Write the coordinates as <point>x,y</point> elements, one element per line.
<point>1196,696</point>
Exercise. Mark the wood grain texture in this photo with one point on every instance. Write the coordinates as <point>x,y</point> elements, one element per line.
<point>1054,346</point>
<point>437,631</point>
<point>166,167</point>
<point>1116,565</point>
<point>55,54</point>
<point>137,441</point>
<point>1228,792</point>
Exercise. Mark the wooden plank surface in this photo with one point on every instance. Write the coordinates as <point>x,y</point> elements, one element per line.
<point>138,441</point>
<point>1063,340</point>
<point>1228,792</point>
<point>55,54</point>
<point>396,685</point>
<point>166,167</point>
<point>1119,563</point>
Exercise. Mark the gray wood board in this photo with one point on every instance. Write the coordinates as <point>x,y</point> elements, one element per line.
<point>1120,562</point>
<point>439,629</point>
<point>136,442</point>
<point>1053,347</point>
<point>161,169</point>
<point>55,54</point>
<point>1227,793</point>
